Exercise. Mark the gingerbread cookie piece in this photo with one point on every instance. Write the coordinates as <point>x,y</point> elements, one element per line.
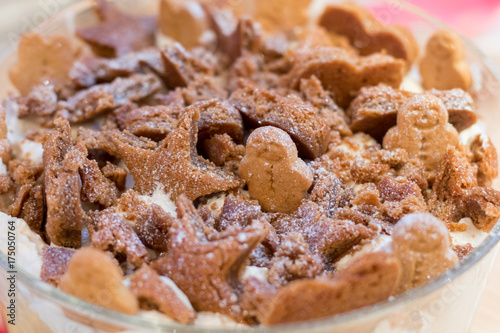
<point>203,263</point>
<point>118,33</point>
<point>343,72</point>
<point>370,279</point>
<point>261,107</point>
<point>152,227</point>
<point>61,160</point>
<point>282,14</point>
<point>184,21</point>
<point>181,67</point>
<point>96,187</point>
<point>367,34</point>
<point>55,262</point>
<point>218,117</point>
<point>422,244</point>
<point>422,130</point>
<point>110,232</point>
<point>223,151</point>
<point>443,65</point>
<point>374,111</point>
<point>153,122</point>
<point>152,291</point>
<point>95,277</point>
<point>454,179</point>
<point>48,59</point>
<point>274,173</point>
<point>484,155</point>
<point>29,206</point>
<point>174,163</point>
<point>482,205</point>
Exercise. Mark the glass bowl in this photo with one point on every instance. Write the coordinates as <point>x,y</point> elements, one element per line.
<point>446,304</point>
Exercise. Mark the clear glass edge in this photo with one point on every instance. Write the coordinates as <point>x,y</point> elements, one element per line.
<point>112,317</point>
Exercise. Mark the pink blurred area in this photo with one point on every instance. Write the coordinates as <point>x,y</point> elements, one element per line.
<point>470,17</point>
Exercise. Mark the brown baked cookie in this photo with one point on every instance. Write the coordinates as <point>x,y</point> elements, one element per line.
<point>343,72</point>
<point>153,292</point>
<point>55,262</point>
<point>174,162</point>
<point>61,160</point>
<point>484,155</point>
<point>118,33</point>
<point>48,59</point>
<point>422,130</point>
<point>95,277</point>
<point>282,14</point>
<point>422,244</point>
<point>274,173</point>
<point>203,263</point>
<point>184,21</point>
<point>443,65</point>
<point>482,205</point>
<point>218,117</point>
<point>374,111</point>
<point>261,107</point>
<point>367,34</point>
<point>454,179</point>
<point>370,279</point>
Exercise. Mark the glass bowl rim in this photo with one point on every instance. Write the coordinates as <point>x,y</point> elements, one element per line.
<point>111,317</point>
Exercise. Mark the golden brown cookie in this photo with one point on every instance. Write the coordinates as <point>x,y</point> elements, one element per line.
<point>367,34</point>
<point>281,14</point>
<point>443,65</point>
<point>422,130</point>
<point>422,243</point>
<point>48,58</point>
<point>183,21</point>
<point>370,279</point>
<point>274,173</point>
<point>343,72</point>
<point>95,277</point>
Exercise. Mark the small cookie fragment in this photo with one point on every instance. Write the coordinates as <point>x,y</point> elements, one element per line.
<point>370,279</point>
<point>55,262</point>
<point>153,292</point>
<point>484,155</point>
<point>95,277</point>
<point>460,106</point>
<point>443,65</point>
<point>261,107</point>
<point>282,14</point>
<point>367,34</point>
<point>174,163</point>
<point>203,263</point>
<point>482,205</point>
<point>118,33</point>
<point>343,72</point>
<point>422,130</point>
<point>183,21</point>
<point>95,186</point>
<point>422,244</point>
<point>218,117</point>
<point>152,227</point>
<point>274,173</point>
<point>110,232</point>
<point>49,59</point>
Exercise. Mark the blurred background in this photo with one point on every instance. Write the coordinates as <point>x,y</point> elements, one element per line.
<point>478,20</point>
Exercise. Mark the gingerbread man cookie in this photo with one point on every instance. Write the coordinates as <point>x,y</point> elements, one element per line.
<point>443,65</point>
<point>422,130</point>
<point>274,173</point>
<point>423,246</point>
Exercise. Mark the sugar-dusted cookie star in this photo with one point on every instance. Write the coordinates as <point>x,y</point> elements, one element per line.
<point>422,130</point>
<point>174,163</point>
<point>118,33</point>
<point>205,263</point>
<point>42,59</point>
<point>274,173</point>
<point>443,65</point>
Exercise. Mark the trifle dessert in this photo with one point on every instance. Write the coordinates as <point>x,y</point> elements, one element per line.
<point>247,163</point>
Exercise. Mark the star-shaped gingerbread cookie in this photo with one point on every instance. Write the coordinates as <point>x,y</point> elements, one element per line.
<point>205,263</point>
<point>175,163</point>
